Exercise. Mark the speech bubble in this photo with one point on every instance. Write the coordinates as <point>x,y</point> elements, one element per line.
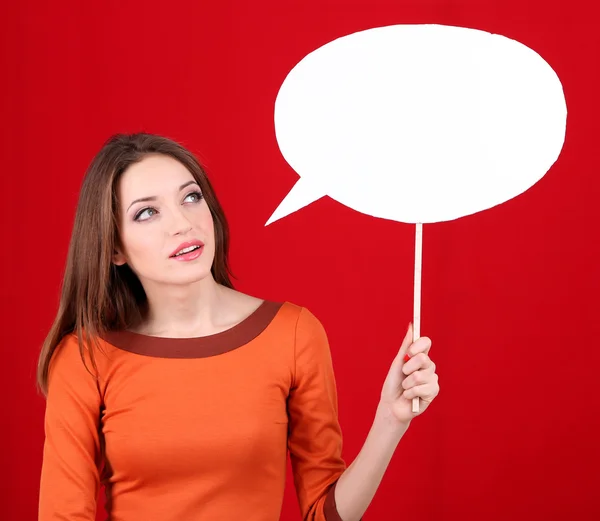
<point>418,123</point>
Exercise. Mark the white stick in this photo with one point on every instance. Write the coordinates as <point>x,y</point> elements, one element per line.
<point>417,295</point>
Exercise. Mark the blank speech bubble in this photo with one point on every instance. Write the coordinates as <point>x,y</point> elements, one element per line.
<point>418,123</point>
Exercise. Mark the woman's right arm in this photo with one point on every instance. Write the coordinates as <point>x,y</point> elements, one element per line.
<point>70,479</point>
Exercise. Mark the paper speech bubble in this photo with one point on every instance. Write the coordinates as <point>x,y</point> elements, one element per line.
<point>418,123</point>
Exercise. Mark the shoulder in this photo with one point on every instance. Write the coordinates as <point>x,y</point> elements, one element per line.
<point>69,363</point>
<point>237,306</point>
<point>69,349</point>
<point>74,354</point>
<point>289,314</point>
<point>304,321</point>
<point>72,375</point>
<point>241,306</point>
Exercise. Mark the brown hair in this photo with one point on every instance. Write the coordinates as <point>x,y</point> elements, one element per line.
<point>96,295</point>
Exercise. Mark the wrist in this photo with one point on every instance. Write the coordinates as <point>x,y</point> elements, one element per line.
<point>385,417</point>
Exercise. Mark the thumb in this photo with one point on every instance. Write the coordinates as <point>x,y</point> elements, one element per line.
<point>394,376</point>
<point>402,355</point>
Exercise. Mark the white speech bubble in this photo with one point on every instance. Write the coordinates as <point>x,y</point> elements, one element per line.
<point>418,123</point>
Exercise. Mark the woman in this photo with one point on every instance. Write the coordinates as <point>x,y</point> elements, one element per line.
<point>178,393</point>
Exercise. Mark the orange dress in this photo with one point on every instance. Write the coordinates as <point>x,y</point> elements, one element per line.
<point>195,428</point>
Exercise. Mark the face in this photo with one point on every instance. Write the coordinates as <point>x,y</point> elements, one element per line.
<point>172,212</point>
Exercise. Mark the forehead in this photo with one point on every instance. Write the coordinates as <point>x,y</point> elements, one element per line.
<point>153,175</point>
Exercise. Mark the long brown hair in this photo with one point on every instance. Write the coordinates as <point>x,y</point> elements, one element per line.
<point>96,295</point>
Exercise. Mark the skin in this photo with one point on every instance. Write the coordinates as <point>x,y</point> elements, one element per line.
<point>184,299</point>
<point>412,373</point>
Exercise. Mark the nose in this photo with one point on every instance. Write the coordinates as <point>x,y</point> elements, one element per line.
<point>183,231</point>
<point>180,225</point>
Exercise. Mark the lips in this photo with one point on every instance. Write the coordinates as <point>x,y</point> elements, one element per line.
<point>184,245</point>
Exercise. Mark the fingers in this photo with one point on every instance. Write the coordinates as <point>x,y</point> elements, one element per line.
<point>417,362</point>
<point>420,377</point>
<point>421,345</point>
<point>426,391</point>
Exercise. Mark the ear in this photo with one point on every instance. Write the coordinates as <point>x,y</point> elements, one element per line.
<point>118,258</point>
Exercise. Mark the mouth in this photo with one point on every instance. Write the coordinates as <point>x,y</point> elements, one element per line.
<point>189,254</point>
<point>188,250</point>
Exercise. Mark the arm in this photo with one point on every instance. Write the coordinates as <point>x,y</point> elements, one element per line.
<point>357,485</point>
<point>70,479</point>
<point>314,437</point>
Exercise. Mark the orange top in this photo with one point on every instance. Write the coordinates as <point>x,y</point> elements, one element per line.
<point>195,428</point>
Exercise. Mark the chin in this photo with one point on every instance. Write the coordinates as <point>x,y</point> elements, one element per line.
<point>191,277</point>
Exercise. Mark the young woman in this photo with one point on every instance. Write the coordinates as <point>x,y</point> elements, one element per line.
<point>180,394</point>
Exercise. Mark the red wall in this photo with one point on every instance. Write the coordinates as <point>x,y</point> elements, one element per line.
<point>510,295</point>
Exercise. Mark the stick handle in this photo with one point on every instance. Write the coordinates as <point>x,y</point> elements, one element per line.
<point>417,295</point>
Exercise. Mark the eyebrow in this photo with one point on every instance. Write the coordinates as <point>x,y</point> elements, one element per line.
<point>153,197</point>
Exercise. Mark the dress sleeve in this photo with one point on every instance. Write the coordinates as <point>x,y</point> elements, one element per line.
<point>315,437</point>
<point>70,477</point>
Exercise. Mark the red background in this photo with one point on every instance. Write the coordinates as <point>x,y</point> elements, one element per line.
<point>510,295</point>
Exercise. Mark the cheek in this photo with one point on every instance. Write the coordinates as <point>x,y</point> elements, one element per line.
<point>205,222</point>
<point>142,244</point>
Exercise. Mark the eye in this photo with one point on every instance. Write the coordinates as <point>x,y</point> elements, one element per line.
<point>196,198</point>
<point>143,211</point>
<point>196,194</point>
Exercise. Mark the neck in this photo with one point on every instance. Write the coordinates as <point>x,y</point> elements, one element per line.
<point>183,310</point>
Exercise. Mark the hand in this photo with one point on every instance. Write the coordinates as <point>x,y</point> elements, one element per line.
<point>412,374</point>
